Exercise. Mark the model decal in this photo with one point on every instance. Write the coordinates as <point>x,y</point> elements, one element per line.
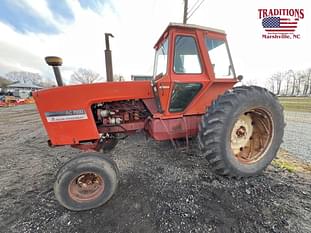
<point>68,115</point>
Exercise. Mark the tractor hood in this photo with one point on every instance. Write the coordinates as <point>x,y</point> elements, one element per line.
<point>68,108</point>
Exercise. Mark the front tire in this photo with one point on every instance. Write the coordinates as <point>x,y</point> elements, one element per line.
<point>242,131</point>
<point>86,182</point>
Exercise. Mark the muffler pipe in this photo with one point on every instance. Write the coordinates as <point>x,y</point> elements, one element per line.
<point>108,58</point>
<point>55,62</point>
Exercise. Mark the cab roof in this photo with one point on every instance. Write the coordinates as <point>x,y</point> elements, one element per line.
<point>188,26</point>
<point>194,26</point>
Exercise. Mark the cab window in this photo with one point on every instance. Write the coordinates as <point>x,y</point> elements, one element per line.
<point>183,94</point>
<point>219,56</point>
<point>186,57</point>
<point>160,64</point>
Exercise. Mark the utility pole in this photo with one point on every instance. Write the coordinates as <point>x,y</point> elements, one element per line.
<point>185,11</point>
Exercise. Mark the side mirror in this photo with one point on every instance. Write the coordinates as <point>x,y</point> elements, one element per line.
<point>159,76</point>
<point>239,78</point>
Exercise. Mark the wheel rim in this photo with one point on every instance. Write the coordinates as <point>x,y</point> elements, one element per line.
<point>251,135</point>
<point>86,187</point>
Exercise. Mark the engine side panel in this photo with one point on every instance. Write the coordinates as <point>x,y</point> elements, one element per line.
<point>66,111</point>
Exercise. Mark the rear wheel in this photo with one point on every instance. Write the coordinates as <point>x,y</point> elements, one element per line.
<point>242,131</point>
<point>86,182</point>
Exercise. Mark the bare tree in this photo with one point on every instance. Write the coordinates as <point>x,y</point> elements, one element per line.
<point>24,77</point>
<point>301,80</point>
<point>287,75</point>
<point>4,82</point>
<point>271,84</point>
<point>296,83</point>
<point>293,77</point>
<point>275,83</point>
<point>277,78</point>
<point>307,83</point>
<point>85,76</point>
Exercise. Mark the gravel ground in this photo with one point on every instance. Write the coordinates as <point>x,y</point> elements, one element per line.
<point>297,137</point>
<point>161,190</point>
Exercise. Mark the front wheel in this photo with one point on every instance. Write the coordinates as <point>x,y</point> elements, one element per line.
<point>242,131</point>
<point>86,182</point>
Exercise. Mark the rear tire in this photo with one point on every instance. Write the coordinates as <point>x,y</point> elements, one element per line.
<point>242,131</point>
<point>86,182</point>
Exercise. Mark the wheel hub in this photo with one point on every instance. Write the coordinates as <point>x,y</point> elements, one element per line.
<point>86,187</point>
<point>241,133</point>
<point>251,135</point>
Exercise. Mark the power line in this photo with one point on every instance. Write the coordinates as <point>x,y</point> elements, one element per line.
<point>190,14</point>
<point>193,6</point>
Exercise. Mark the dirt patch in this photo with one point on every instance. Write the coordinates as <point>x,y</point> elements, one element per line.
<point>161,190</point>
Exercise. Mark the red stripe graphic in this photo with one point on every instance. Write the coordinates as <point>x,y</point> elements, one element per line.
<point>288,23</point>
<point>285,33</point>
<point>280,30</point>
<point>288,26</point>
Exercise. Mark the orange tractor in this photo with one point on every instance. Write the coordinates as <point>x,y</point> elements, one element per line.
<point>191,95</point>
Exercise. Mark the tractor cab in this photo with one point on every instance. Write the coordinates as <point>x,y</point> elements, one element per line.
<point>188,60</point>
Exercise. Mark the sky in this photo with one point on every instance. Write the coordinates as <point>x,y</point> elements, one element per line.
<point>74,30</point>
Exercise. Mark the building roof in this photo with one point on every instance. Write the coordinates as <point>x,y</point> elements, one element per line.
<point>24,85</point>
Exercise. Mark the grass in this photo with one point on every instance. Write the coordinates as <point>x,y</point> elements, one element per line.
<point>296,104</point>
<point>290,167</point>
<point>286,161</point>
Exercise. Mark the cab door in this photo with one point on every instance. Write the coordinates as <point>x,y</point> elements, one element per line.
<point>188,75</point>
<point>162,80</point>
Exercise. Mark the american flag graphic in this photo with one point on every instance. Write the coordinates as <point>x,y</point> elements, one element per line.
<point>279,25</point>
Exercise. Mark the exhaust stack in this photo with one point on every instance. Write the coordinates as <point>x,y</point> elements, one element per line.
<point>55,62</point>
<point>108,58</point>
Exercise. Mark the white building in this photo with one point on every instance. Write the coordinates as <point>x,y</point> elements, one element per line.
<point>22,90</point>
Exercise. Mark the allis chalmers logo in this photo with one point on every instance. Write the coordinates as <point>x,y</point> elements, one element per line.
<point>280,23</point>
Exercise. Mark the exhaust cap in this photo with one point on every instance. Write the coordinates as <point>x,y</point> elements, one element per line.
<point>54,61</point>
